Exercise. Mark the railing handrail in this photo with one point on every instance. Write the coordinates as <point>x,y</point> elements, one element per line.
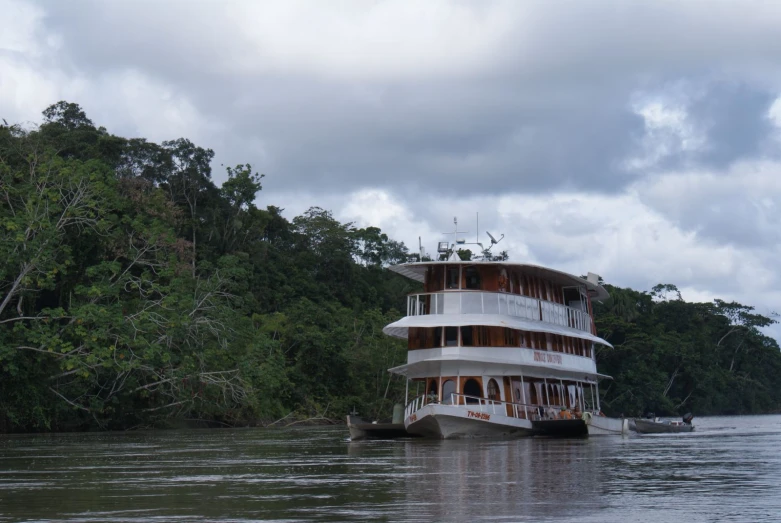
<point>456,291</point>
<point>514,305</point>
<point>418,402</point>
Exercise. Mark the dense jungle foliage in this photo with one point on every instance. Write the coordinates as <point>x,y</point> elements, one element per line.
<point>134,292</point>
<point>671,356</point>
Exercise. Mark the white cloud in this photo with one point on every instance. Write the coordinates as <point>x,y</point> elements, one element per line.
<point>24,91</point>
<point>774,113</point>
<point>25,87</point>
<point>736,205</point>
<point>619,237</point>
<point>369,39</point>
<point>21,23</point>
<point>668,131</point>
<point>142,106</point>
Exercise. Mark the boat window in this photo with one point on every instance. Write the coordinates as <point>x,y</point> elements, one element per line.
<point>504,282</point>
<point>493,390</point>
<point>510,338</point>
<point>448,389</point>
<point>516,284</point>
<point>473,391</point>
<point>433,391</point>
<point>451,336</point>
<point>437,337</point>
<point>452,278</point>
<point>572,298</point>
<point>436,278</point>
<point>472,278</point>
<point>414,339</point>
<point>481,336</point>
<point>466,337</point>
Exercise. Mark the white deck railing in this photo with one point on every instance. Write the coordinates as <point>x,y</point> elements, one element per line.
<point>518,410</point>
<point>479,302</point>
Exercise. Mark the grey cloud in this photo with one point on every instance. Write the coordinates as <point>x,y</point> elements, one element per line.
<point>734,116</point>
<point>552,112</point>
<point>733,219</point>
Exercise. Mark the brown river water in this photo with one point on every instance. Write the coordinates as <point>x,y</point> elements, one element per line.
<point>729,469</point>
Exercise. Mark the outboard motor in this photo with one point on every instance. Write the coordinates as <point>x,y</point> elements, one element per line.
<point>687,418</point>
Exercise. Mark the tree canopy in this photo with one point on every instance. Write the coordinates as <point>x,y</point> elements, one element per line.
<point>671,356</point>
<point>135,292</point>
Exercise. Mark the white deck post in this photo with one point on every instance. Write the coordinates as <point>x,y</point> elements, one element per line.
<point>596,386</point>
<point>564,396</point>
<point>523,398</point>
<point>591,386</point>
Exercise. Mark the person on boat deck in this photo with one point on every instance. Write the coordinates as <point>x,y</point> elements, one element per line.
<point>565,414</point>
<point>576,413</point>
<point>550,413</point>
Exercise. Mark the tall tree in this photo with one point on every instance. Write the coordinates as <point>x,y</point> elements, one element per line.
<point>188,182</point>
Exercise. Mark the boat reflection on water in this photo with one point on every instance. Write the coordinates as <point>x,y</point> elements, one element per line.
<point>454,480</point>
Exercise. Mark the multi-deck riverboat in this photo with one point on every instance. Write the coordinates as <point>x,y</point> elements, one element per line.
<point>500,348</point>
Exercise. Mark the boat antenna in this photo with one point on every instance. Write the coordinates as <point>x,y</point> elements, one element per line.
<point>447,249</point>
<point>421,249</point>
<point>494,241</point>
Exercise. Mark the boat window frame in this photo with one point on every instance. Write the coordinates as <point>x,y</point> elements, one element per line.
<point>457,284</point>
<point>469,339</point>
<point>447,341</point>
<point>446,395</point>
<point>496,394</point>
<point>472,270</point>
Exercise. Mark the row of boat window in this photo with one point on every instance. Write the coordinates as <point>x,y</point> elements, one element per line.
<point>471,389</point>
<point>494,279</point>
<point>533,392</point>
<point>482,336</point>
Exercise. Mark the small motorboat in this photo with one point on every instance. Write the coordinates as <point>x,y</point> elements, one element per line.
<point>361,428</point>
<point>654,425</point>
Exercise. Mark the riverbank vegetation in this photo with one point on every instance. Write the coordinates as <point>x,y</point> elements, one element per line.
<point>135,292</point>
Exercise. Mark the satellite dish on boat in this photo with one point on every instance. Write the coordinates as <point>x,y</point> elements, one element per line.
<point>494,241</point>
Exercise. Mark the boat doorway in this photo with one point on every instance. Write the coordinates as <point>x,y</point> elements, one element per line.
<point>472,391</point>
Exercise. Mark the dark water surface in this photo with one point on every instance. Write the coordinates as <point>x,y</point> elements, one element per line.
<point>728,470</point>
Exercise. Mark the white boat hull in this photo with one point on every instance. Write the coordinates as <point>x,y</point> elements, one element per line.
<point>604,426</point>
<point>464,421</point>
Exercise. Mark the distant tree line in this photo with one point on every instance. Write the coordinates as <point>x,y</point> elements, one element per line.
<point>670,356</point>
<point>134,292</point>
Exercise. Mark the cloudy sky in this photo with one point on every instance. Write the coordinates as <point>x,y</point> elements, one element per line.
<point>638,140</point>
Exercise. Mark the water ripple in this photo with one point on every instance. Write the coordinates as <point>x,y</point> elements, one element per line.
<point>728,470</point>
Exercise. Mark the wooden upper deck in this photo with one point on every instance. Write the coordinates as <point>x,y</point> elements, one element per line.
<point>514,278</point>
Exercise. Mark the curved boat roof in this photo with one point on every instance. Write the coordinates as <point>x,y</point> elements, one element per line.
<point>400,328</point>
<point>417,271</point>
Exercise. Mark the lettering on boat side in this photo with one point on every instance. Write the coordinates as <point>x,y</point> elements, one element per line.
<point>547,357</point>
<point>478,415</point>
<point>413,418</point>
